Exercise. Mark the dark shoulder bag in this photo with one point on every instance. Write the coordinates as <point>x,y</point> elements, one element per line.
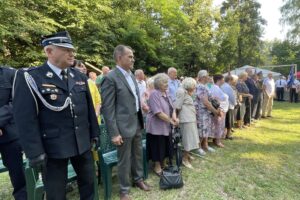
<point>171,176</point>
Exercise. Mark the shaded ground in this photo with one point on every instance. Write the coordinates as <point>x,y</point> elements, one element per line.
<point>261,163</point>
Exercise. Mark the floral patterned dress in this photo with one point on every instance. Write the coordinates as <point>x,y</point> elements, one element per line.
<point>204,117</point>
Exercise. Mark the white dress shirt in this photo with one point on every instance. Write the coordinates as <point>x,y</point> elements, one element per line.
<point>270,86</point>
<point>295,83</point>
<point>128,77</point>
<point>280,83</point>
<point>56,70</point>
<point>142,87</point>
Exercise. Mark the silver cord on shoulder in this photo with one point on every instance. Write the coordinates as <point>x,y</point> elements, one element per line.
<point>32,86</point>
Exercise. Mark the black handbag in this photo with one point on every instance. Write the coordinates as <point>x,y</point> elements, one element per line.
<point>215,103</point>
<point>171,176</point>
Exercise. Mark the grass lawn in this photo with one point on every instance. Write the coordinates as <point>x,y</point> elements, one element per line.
<point>261,163</point>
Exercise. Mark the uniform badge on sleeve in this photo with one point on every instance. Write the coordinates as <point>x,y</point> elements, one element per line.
<point>49,74</point>
<point>53,96</point>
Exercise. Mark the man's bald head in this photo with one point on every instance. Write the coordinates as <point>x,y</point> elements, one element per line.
<point>105,70</point>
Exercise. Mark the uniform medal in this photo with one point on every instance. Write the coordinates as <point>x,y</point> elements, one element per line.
<point>53,96</point>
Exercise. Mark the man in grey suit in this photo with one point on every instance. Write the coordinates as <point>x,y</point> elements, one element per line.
<point>123,117</point>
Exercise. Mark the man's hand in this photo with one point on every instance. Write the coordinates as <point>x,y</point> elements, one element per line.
<point>1,133</point>
<point>39,161</point>
<point>117,140</point>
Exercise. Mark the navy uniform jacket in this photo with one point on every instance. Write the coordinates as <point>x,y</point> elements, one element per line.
<point>253,89</point>
<point>58,134</point>
<point>7,124</point>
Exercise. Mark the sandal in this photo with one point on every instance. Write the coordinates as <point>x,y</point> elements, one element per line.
<point>157,173</point>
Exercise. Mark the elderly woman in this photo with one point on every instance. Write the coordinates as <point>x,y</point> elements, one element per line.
<point>159,118</point>
<point>145,96</point>
<point>204,110</point>
<point>218,121</point>
<point>243,91</point>
<point>227,88</point>
<point>187,116</point>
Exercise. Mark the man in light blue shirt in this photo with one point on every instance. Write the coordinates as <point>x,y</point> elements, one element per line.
<point>173,83</point>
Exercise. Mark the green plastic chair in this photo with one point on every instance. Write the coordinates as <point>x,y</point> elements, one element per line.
<point>35,187</point>
<point>145,161</point>
<point>2,167</point>
<point>108,159</point>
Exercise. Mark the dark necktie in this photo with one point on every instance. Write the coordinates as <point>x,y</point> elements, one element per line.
<point>280,82</point>
<point>64,75</point>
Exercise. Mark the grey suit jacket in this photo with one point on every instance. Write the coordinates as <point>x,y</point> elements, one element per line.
<point>119,105</point>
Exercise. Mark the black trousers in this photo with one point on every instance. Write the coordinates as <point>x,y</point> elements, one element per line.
<point>56,174</point>
<point>229,120</point>
<point>247,117</point>
<point>280,93</point>
<point>11,154</point>
<point>293,95</point>
<point>258,112</point>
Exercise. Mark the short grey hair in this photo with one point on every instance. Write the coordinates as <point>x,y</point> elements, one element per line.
<point>242,75</point>
<point>150,82</point>
<point>138,71</point>
<point>120,50</point>
<point>202,73</point>
<point>172,69</point>
<point>159,79</point>
<point>189,83</point>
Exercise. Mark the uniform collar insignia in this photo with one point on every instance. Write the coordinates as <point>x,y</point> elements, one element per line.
<point>49,74</point>
<point>71,74</point>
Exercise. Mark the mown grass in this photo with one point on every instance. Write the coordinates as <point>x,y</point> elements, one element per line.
<point>261,163</point>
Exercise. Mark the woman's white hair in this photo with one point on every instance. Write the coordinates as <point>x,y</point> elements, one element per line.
<point>202,73</point>
<point>150,82</point>
<point>189,83</point>
<point>159,79</point>
<point>242,75</point>
<point>234,77</point>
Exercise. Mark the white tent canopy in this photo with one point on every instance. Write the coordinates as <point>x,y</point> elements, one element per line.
<point>265,72</point>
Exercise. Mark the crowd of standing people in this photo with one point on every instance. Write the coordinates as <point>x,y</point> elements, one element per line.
<point>52,113</point>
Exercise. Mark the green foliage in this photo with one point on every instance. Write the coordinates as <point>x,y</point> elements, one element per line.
<point>186,34</point>
<point>282,53</point>
<point>240,30</point>
<point>291,16</point>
